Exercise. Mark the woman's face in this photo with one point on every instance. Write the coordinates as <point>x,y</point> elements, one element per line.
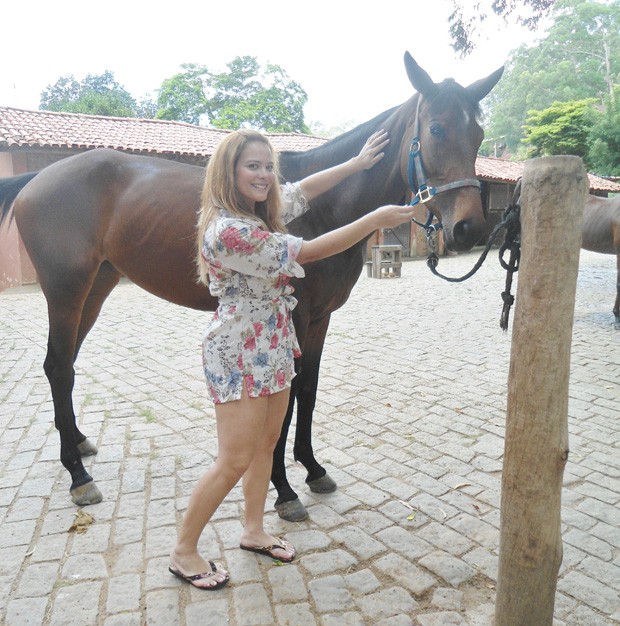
<point>254,174</point>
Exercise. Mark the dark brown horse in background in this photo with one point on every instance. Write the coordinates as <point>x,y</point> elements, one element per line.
<point>89,219</point>
<point>601,233</point>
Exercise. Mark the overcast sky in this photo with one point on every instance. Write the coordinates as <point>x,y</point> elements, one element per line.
<point>348,58</point>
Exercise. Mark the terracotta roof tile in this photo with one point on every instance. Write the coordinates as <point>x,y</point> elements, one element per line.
<point>21,128</point>
<point>490,168</point>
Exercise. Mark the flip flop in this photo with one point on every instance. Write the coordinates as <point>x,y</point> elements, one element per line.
<point>192,579</point>
<point>268,550</point>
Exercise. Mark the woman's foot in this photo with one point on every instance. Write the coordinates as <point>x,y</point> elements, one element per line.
<point>275,547</point>
<point>198,572</point>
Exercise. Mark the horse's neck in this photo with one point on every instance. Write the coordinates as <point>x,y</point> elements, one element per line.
<point>362,192</point>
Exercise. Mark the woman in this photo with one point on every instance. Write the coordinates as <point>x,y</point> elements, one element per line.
<point>247,259</point>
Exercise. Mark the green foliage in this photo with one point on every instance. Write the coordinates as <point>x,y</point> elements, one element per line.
<point>579,59</point>
<point>562,128</point>
<point>181,97</point>
<point>244,95</point>
<point>95,95</point>
<point>604,138</point>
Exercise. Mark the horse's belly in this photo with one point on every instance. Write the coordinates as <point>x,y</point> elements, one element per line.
<point>596,242</point>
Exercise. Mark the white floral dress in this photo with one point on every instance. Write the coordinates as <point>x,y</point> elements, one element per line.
<point>251,338</point>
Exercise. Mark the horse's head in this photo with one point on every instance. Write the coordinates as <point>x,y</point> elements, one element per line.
<point>444,135</point>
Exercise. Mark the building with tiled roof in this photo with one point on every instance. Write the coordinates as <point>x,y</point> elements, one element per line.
<point>31,140</point>
<point>501,171</point>
<point>61,134</point>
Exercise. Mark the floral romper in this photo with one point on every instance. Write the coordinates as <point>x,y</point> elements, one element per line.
<point>251,339</point>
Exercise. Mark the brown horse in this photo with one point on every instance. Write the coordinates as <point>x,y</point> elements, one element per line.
<point>92,218</point>
<point>601,233</point>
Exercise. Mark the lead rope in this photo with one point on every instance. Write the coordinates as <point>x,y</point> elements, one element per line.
<point>511,222</point>
<point>512,242</point>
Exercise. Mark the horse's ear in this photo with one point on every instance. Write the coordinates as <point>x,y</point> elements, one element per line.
<point>420,80</point>
<point>482,87</point>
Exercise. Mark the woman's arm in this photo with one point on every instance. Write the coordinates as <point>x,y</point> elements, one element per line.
<point>343,238</point>
<point>316,184</point>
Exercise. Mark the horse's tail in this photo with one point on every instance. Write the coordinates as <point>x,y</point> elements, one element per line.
<point>9,188</point>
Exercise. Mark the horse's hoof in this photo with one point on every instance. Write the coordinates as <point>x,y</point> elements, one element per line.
<point>86,448</point>
<point>86,494</point>
<point>292,511</point>
<point>325,484</point>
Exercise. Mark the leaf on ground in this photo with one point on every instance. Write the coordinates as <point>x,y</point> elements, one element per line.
<point>82,522</point>
<point>461,485</point>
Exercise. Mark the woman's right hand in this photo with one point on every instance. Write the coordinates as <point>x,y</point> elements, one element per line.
<point>392,215</point>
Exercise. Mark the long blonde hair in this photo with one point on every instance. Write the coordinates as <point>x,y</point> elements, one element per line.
<point>220,190</point>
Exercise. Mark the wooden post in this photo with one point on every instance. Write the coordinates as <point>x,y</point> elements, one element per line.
<point>553,193</point>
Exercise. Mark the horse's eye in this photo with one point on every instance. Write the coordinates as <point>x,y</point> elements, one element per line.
<point>437,131</point>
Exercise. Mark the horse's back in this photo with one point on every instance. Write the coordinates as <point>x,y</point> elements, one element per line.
<point>137,213</point>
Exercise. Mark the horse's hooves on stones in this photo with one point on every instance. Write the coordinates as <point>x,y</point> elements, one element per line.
<point>325,484</point>
<point>86,494</point>
<point>87,448</point>
<point>292,511</point>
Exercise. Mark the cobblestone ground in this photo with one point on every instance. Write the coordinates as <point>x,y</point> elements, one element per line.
<point>409,421</point>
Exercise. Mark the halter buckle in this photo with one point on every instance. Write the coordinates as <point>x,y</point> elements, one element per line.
<point>424,194</point>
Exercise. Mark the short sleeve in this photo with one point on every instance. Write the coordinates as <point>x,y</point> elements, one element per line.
<point>293,201</point>
<point>249,249</point>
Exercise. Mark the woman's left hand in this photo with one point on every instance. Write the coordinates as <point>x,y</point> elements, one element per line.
<point>372,153</point>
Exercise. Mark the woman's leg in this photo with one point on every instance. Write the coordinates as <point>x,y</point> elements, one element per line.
<point>240,426</point>
<point>256,478</point>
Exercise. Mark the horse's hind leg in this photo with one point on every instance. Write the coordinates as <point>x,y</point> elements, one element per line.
<point>106,279</point>
<point>72,310</point>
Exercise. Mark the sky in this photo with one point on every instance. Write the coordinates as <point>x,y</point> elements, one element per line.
<point>347,57</point>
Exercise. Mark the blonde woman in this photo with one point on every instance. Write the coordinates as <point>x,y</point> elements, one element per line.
<point>247,259</point>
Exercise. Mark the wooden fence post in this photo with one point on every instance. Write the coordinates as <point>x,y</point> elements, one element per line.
<point>553,193</point>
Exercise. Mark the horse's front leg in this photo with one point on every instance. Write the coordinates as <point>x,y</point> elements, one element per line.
<point>287,505</point>
<point>616,310</point>
<point>318,480</point>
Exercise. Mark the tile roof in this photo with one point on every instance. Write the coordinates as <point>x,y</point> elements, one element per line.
<point>491,168</point>
<point>21,128</point>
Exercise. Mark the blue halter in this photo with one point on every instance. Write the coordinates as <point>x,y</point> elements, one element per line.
<point>423,192</point>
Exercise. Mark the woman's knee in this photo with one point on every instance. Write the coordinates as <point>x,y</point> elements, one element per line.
<point>270,441</point>
<point>232,468</point>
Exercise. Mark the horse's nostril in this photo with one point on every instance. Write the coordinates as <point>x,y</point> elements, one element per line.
<point>461,231</point>
<point>465,235</point>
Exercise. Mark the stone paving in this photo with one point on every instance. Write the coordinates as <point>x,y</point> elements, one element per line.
<point>409,421</point>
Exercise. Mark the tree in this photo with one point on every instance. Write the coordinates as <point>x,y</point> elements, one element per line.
<point>463,26</point>
<point>244,95</point>
<point>563,128</point>
<point>95,95</point>
<point>604,138</point>
<point>579,58</point>
<point>181,97</point>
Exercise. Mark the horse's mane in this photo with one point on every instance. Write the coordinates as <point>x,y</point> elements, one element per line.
<point>357,136</point>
